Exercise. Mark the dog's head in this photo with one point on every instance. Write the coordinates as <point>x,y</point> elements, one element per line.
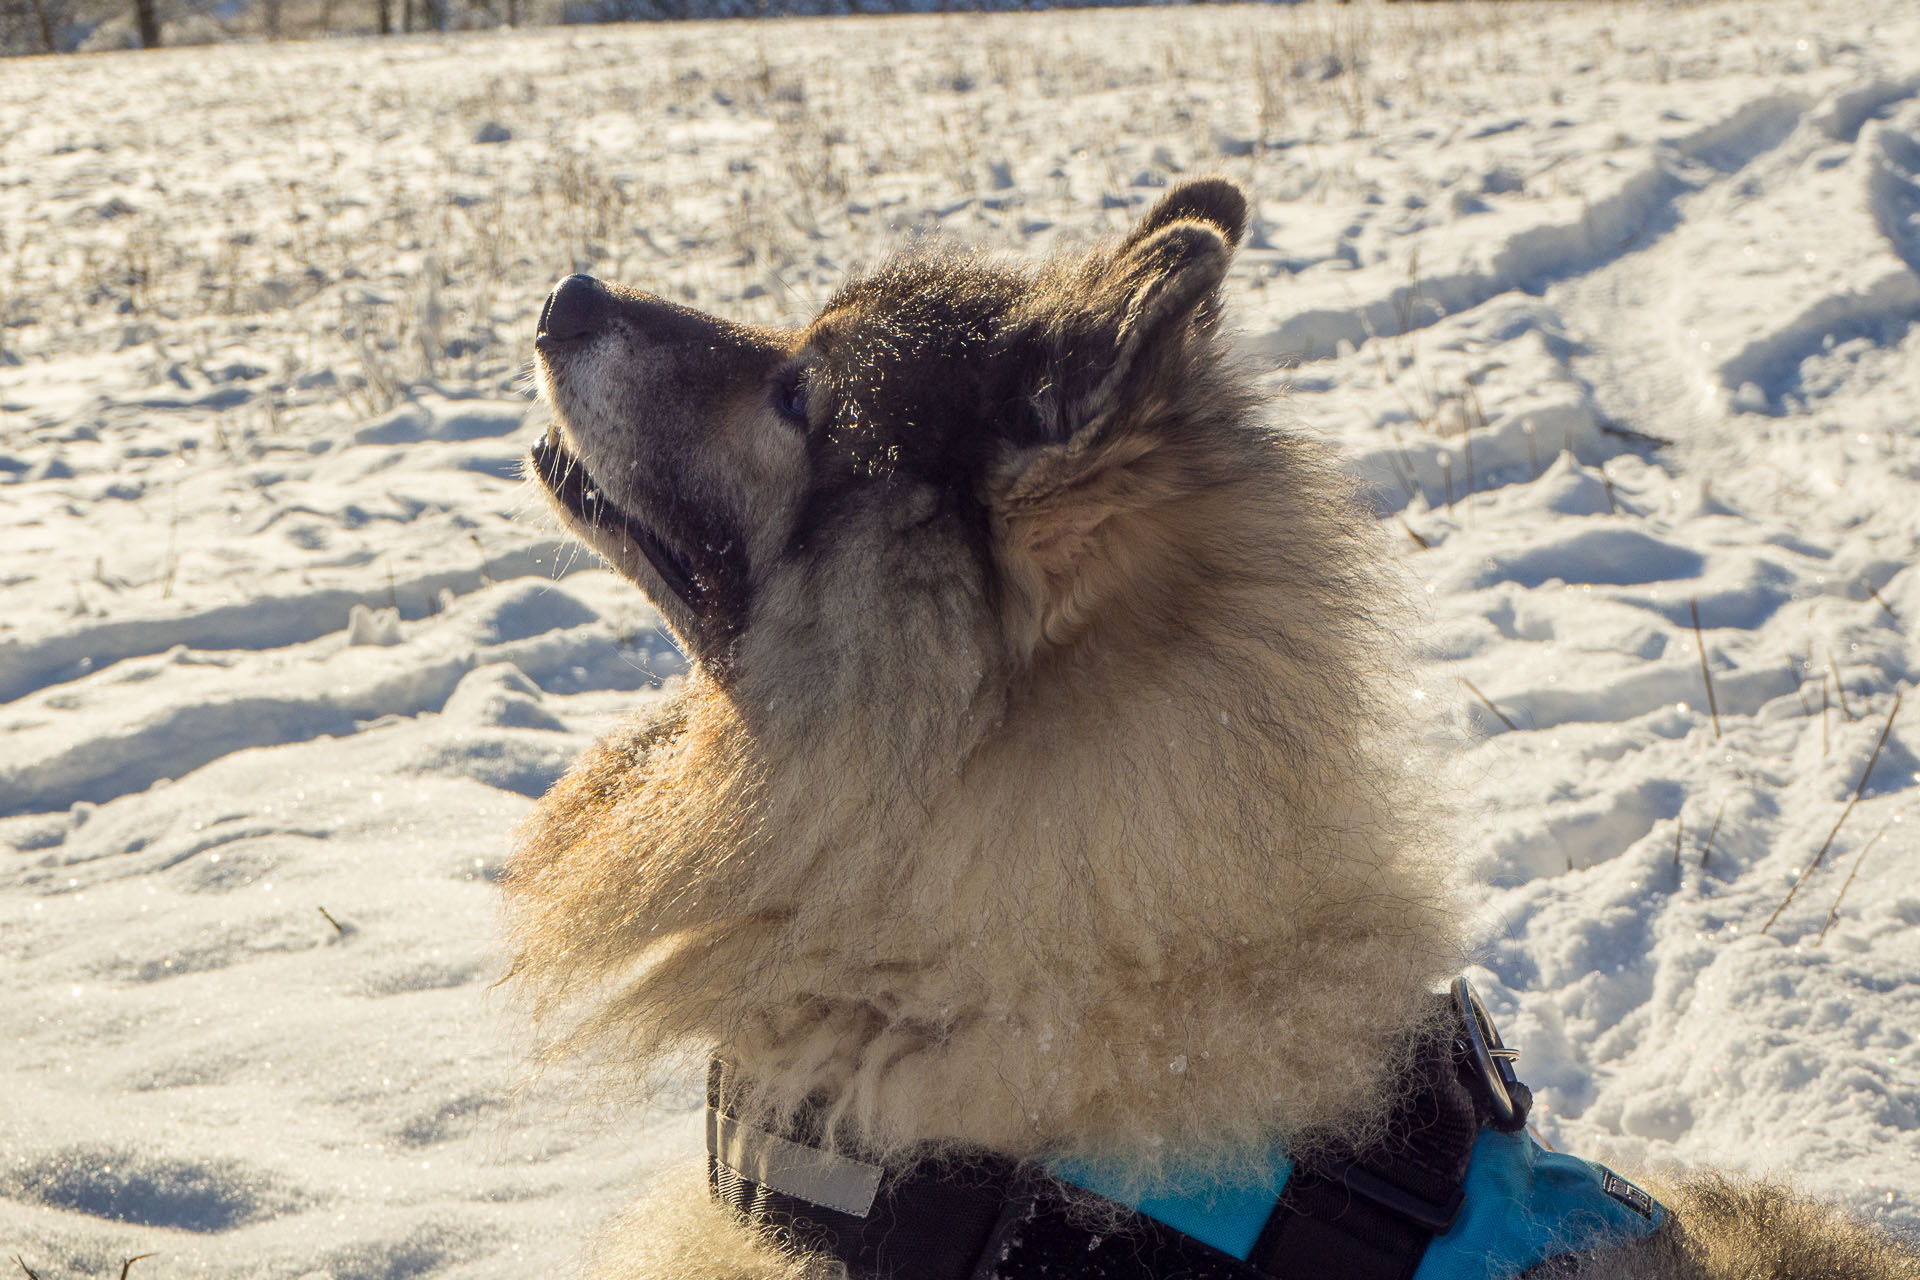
<point>1036,685</point>
<point>954,453</point>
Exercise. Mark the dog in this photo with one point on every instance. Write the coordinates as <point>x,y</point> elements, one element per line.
<point>1030,844</point>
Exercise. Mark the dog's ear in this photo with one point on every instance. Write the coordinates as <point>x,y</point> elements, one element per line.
<point>1214,201</point>
<point>1152,296</point>
<point>1114,333</point>
<point>1056,515</point>
<point>1116,377</point>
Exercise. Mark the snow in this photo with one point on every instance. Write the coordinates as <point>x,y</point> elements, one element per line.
<point>1612,308</point>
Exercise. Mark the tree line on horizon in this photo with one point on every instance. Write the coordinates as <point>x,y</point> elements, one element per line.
<point>66,26</point>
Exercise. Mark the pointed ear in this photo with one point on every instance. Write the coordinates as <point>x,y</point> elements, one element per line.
<point>1063,507</point>
<point>1160,283</point>
<point>1165,276</point>
<point>1214,201</point>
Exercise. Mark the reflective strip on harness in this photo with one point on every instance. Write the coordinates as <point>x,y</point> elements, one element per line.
<point>808,1173</point>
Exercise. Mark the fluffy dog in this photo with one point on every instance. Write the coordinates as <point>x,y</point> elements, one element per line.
<point>1031,791</point>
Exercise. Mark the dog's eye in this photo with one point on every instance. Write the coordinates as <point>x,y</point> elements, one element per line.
<point>790,397</point>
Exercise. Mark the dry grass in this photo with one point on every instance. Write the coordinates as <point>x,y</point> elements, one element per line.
<point>358,227</point>
<point>332,208</point>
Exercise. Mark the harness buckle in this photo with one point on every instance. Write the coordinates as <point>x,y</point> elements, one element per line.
<point>1491,1059</point>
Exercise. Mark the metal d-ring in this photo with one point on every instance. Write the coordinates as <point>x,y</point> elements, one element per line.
<point>1491,1057</point>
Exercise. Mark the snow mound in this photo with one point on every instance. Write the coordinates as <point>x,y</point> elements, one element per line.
<point>126,1186</point>
<point>1615,312</point>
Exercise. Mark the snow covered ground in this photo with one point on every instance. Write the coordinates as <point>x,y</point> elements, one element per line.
<point>1615,308</point>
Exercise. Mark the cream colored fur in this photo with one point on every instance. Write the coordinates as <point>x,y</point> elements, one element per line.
<point>1151,893</point>
<point>1125,859</point>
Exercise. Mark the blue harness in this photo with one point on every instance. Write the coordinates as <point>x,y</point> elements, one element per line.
<point>1523,1204</point>
<point>1458,1191</point>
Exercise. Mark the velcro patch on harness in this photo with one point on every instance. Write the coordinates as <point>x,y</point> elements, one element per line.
<point>807,1173</point>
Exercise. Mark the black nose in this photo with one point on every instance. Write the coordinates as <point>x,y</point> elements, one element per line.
<point>577,307</point>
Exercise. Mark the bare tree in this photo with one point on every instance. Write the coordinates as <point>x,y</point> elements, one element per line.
<point>147,14</point>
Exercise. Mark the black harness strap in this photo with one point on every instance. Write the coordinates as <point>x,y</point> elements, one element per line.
<point>932,1221</point>
<point>1371,1212</point>
<point>1361,1213</point>
<point>1051,1240</point>
<point>980,1217</point>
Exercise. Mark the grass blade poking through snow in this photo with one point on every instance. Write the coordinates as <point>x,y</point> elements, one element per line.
<point>1834,913</point>
<point>1487,702</point>
<point>1712,831</point>
<point>1883,604</point>
<point>124,1267</point>
<point>1858,789</point>
<point>1839,688</point>
<point>1713,705</point>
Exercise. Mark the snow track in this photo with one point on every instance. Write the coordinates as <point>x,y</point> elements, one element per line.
<point>267,720</point>
<point>1612,309</point>
<point>1745,290</point>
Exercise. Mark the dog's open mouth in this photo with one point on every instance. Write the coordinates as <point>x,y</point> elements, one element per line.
<point>566,477</point>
